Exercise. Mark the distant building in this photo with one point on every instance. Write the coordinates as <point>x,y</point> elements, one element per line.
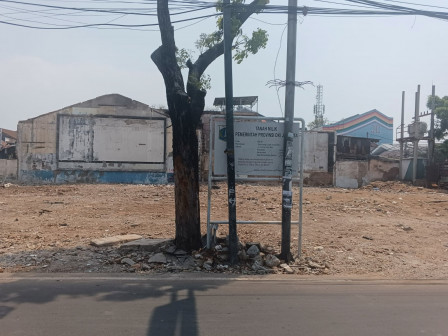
<point>7,137</point>
<point>372,124</point>
<point>8,141</point>
<point>109,139</point>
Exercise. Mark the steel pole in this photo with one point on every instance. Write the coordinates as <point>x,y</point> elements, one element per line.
<point>230,151</point>
<point>400,173</point>
<point>416,120</point>
<point>431,128</point>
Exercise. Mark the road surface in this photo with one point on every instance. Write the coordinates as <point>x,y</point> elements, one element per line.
<point>70,305</point>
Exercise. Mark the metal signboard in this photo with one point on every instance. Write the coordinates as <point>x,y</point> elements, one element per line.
<point>258,148</point>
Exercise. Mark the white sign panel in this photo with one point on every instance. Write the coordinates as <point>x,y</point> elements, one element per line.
<point>129,140</point>
<point>258,148</point>
<point>111,139</point>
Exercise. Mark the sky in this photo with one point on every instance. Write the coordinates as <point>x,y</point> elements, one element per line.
<point>363,63</point>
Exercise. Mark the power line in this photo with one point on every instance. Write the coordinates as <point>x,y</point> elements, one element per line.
<point>16,9</point>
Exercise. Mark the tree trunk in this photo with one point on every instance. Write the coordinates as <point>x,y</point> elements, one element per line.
<point>185,109</point>
<point>186,179</point>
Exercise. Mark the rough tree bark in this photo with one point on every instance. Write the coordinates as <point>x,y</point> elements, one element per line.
<point>185,107</point>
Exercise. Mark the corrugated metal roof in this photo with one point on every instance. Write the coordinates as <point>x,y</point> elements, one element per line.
<point>248,100</point>
<point>9,133</point>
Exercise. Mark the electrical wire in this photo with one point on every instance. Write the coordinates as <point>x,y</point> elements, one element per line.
<point>45,10</point>
<point>275,68</point>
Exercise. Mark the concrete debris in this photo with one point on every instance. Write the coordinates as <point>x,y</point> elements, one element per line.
<point>258,266</point>
<point>149,255</point>
<point>223,257</point>
<point>248,245</point>
<point>242,255</point>
<point>170,249</point>
<point>145,267</point>
<point>286,268</point>
<point>221,267</point>
<point>158,258</point>
<point>174,268</point>
<point>150,245</point>
<point>253,251</point>
<point>318,248</point>
<point>127,261</point>
<point>208,265</point>
<point>258,258</point>
<point>266,249</point>
<point>108,241</point>
<point>313,264</point>
<point>188,263</point>
<point>271,261</point>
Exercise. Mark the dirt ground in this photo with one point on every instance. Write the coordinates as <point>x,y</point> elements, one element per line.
<point>385,230</point>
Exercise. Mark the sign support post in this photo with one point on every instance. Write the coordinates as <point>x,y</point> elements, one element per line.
<point>230,150</point>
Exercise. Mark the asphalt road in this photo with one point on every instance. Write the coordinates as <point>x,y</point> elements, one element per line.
<point>71,305</point>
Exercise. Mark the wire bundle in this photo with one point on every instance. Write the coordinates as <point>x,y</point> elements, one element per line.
<point>118,14</point>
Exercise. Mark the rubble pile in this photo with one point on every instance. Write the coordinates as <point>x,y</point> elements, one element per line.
<point>254,258</point>
<point>393,186</point>
<point>160,256</point>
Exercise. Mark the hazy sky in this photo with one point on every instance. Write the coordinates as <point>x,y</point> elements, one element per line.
<point>363,64</point>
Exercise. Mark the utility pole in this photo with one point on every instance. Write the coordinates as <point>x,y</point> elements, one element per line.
<point>416,135</point>
<point>288,131</point>
<point>431,169</point>
<point>431,128</point>
<point>400,168</point>
<point>230,150</point>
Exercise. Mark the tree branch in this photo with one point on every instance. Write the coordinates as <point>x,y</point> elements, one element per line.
<point>211,54</point>
<point>165,56</point>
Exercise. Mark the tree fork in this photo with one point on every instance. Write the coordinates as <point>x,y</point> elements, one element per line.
<point>185,108</point>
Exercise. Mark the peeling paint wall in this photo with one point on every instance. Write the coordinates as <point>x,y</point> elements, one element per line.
<point>104,144</point>
<point>408,167</point>
<point>355,174</point>
<point>316,152</point>
<point>8,170</point>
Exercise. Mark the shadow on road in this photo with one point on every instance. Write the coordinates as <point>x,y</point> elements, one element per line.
<point>178,316</point>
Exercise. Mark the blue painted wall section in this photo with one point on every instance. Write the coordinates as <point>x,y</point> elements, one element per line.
<point>80,176</point>
<point>372,124</point>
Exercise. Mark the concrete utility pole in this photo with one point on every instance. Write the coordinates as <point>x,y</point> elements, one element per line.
<point>431,130</point>
<point>400,168</point>
<point>416,120</point>
<point>288,131</point>
<point>230,150</point>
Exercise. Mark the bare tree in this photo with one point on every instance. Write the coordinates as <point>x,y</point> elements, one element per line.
<point>186,105</point>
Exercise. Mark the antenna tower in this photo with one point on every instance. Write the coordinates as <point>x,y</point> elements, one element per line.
<point>319,107</point>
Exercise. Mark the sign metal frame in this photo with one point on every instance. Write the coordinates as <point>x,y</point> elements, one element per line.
<point>212,226</point>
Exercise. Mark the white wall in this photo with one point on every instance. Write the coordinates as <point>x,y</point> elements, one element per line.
<point>89,142</point>
<point>316,152</point>
<point>355,174</point>
<point>8,169</point>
